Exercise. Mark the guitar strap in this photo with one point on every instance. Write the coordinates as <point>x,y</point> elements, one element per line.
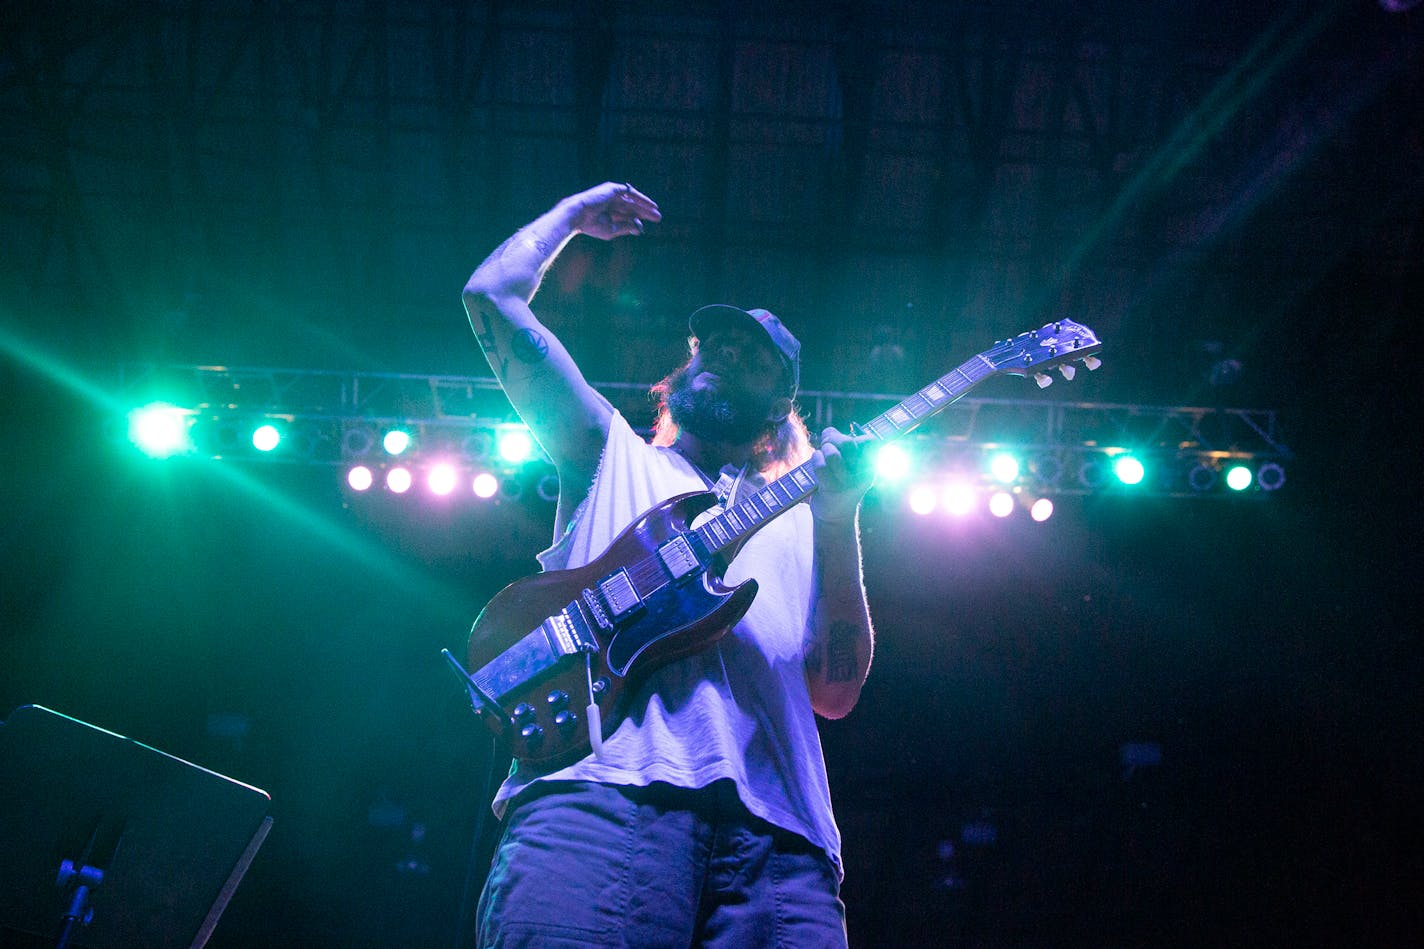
<point>729,481</point>
<point>727,484</point>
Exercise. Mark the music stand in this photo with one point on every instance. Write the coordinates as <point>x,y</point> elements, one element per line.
<point>154,846</point>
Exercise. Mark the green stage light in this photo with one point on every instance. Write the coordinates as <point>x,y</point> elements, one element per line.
<point>1238,477</point>
<point>161,430</point>
<point>1004,467</point>
<point>266,437</point>
<point>892,463</point>
<point>1129,470</point>
<point>396,441</point>
<point>515,445</point>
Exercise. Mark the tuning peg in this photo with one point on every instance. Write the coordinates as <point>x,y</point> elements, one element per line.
<point>1044,380</point>
<point>1068,371</point>
<point>1092,362</point>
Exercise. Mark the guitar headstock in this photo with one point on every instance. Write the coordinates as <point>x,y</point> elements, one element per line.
<point>1058,344</point>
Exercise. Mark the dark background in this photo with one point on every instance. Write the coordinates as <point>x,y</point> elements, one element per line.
<point>306,185</point>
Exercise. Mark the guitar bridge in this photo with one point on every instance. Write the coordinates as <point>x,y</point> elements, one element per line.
<point>538,652</point>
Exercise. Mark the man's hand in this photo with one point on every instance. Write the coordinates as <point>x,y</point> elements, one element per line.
<point>611,210</point>
<point>845,471</point>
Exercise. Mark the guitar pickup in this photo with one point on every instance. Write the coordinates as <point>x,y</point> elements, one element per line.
<point>619,594</point>
<point>678,558</point>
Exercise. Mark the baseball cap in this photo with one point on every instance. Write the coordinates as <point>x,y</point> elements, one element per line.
<point>708,319</point>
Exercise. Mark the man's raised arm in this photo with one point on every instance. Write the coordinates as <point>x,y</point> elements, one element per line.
<point>541,380</point>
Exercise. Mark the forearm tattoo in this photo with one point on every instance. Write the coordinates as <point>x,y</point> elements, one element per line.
<point>529,346</point>
<point>840,652</point>
<point>541,244</point>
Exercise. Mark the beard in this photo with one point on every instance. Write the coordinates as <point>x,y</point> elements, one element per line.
<point>730,414</point>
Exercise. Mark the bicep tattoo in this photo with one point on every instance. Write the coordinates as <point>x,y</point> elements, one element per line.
<point>490,344</point>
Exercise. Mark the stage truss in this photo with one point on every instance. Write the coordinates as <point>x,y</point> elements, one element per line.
<point>336,418</point>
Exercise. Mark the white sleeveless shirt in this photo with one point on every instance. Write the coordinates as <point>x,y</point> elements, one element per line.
<point>739,709</point>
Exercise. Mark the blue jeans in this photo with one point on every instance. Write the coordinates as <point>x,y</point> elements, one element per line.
<point>598,865</point>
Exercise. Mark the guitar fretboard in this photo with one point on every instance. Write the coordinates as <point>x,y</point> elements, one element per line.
<point>742,518</point>
<point>904,417</point>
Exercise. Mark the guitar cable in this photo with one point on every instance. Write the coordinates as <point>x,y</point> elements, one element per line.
<point>592,714</point>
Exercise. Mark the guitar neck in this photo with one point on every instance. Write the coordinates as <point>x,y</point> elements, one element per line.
<point>740,520</point>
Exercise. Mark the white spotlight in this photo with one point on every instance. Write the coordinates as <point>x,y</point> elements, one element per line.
<point>441,479</point>
<point>485,485</point>
<point>398,480</point>
<point>1001,504</point>
<point>959,498</point>
<point>922,500</point>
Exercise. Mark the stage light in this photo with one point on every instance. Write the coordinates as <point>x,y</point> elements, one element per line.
<point>958,498</point>
<point>441,479</point>
<point>1202,477</point>
<point>1091,473</point>
<point>161,430</point>
<point>1046,468</point>
<point>360,478</point>
<point>1001,504</point>
<point>548,488</point>
<point>892,463</point>
<point>1041,510</point>
<point>515,445</point>
<point>922,500</point>
<point>1270,476</point>
<point>1004,467</point>
<point>357,441</point>
<point>398,480</point>
<point>476,446</point>
<point>396,441</point>
<point>266,437</point>
<point>486,485</point>
<point>217,436</point>
<point>1129,470</point>
<point>305,438</point>
<point>1138,754</point>
<point>979,833</point>
<point>1238,477</point>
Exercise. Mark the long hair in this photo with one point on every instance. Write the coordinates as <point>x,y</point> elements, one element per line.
<point>780,447</point>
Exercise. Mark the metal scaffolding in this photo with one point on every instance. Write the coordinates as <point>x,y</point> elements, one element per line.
<point>336,418</point>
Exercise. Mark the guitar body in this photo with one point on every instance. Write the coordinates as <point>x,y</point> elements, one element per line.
<point>542,717</point>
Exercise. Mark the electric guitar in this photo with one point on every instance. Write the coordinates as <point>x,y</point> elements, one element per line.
<point>555,655</point>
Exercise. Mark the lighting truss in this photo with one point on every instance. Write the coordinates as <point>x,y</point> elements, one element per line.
<point>336,418</point>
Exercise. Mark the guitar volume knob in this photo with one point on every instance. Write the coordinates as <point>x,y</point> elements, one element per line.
<point>558,699</point>
<point>566,720</point>
<point>533,736</point>
<point>523,712</point>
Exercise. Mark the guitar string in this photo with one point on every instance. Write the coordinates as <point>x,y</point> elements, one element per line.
<point>918,406</point>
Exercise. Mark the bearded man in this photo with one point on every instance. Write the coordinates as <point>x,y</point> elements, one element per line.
<point>705,816</point>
